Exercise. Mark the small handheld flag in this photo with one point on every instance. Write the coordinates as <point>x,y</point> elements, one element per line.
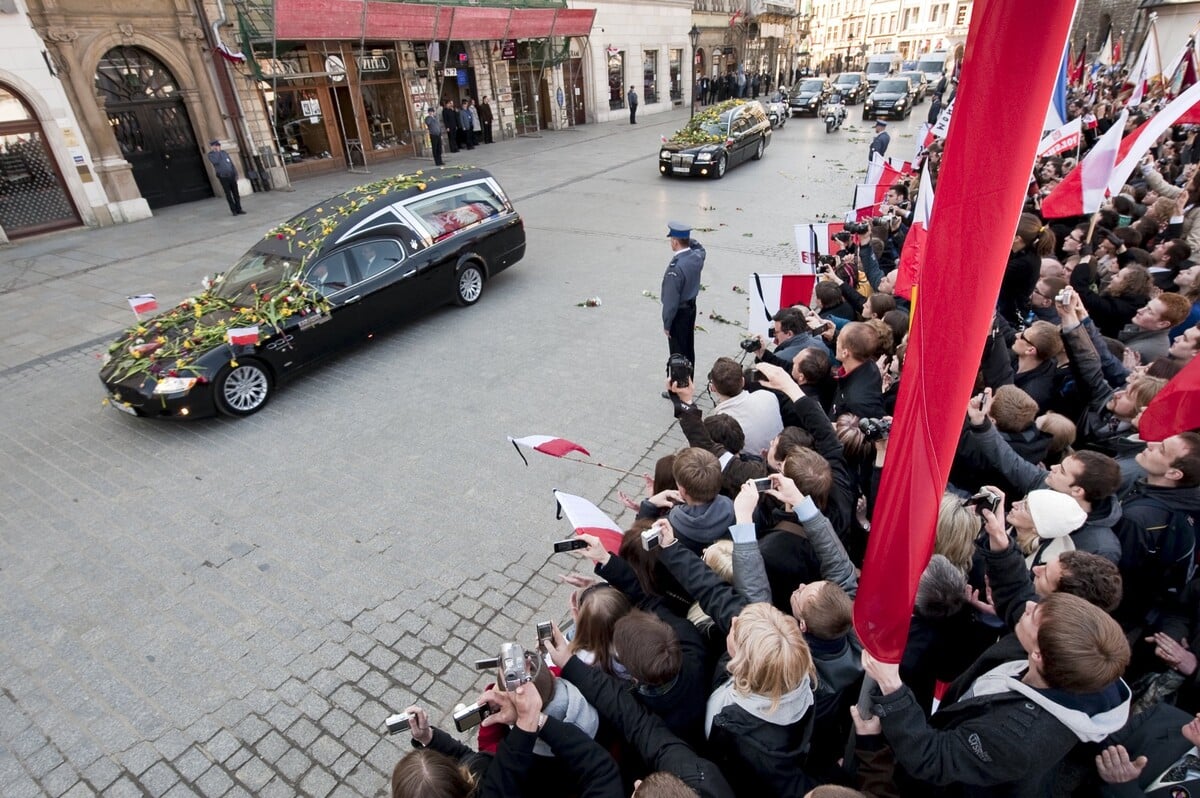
<point>243,336</point>
<point>588,519</point>
<point>143,303</point>
<point>546,444</point>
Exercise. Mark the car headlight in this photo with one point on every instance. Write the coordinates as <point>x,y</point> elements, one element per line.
<point>704,156</point>
<point>813,101</point>
<point>900,103</point>
<point>664,154</point>
<point>174,385</point>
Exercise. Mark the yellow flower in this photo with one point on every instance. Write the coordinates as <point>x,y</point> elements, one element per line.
<point>421,186</point>
<point>140,330</point>
<point>233,364</point>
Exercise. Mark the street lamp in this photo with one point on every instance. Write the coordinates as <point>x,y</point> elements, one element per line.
<point>694,35</point>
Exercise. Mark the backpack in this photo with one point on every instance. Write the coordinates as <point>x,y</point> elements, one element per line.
<point>1172,555</point>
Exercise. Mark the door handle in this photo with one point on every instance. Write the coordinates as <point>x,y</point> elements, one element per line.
<point>352,299</point>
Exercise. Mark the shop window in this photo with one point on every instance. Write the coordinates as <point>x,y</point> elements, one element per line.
<point>299,121</point>
<point>616,80</point>
<point>650,75</point>
<point>677,75</point>
<point>386,106</point>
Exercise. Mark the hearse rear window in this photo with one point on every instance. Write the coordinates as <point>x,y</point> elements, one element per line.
<point>453,210</point>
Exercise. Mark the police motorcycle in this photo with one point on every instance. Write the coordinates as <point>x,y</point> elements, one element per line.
<point>833,111</point>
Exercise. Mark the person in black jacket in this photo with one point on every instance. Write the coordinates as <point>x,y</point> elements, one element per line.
<point>443,764</point>
<point>450,122</point>
<point>859,390</point>
<point>664,753</point>
<point>1032,242</point>
<point>1116,305</point>
<point>666,657</point>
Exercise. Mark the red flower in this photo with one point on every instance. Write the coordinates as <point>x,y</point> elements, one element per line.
<point>172,373</point>
<point>279,236</point>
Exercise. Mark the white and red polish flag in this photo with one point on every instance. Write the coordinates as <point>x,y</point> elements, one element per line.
<point>546,444</point>
<point>588,519</point>
<point>867,199</point>
<point>1147,68</point>
<point>1084,187</point>
<point>769,293</point>
<point>243,336</point>
<point>886,171</point>
<point>1137,144</point>
<point>143,303</point>
<point>1059,141</point>
<point>914,243</point>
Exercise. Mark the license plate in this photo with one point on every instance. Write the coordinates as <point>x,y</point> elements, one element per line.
<point>117,404</point>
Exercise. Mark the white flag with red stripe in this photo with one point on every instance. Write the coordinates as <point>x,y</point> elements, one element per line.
<point>588,519</point>
<point>942,126</point>
<point>1058,141</point>
<point>913,253</point>
<point>143,303</point>
<point>886,171</point>
<point>547,444</point>
<point>1147,68</point>
<point>769,293</point>
<point>1084,187</point>
<point>867,199</point>
<point>1138,143</point>
<point>243,336</point>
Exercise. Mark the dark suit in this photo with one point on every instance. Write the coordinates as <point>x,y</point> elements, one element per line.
<point>450,121</point>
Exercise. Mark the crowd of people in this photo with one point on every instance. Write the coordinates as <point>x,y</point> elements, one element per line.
<point>1054,636</point>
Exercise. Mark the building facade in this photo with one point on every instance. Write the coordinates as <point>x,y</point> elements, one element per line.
<point>845,32</point>
<point>49,177</point>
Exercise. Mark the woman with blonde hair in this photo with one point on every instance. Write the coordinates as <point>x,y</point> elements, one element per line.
<point>758,721</point>
<point>957,528</point>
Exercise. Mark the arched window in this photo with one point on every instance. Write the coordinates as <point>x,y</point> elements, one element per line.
<point>33,197</point>
<point>127,74</point>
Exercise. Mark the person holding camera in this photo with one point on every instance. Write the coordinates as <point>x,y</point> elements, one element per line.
<point>792,332</point>
<point>680,286</point>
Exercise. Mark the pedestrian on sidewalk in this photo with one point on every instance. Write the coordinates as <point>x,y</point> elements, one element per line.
<point>633,103</point>
<point>226,172</point>
<point>450,122</point>
<point>435,135</point>
<point>485,119</point>
<point>476,124</point>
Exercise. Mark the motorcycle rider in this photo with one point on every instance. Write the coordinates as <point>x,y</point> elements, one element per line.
<point>835,106</point>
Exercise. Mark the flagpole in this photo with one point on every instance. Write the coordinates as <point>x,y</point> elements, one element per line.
<point>601,465</point>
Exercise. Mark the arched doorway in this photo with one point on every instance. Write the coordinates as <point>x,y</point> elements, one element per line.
<point>151,124</point>
<point>33,196</point>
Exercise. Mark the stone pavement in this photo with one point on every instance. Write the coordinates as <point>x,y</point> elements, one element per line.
<point>229,608</point>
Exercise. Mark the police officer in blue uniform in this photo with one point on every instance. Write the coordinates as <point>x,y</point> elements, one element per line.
<point>681,284</point>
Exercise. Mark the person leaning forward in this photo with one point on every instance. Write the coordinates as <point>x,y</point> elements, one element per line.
<point>681,284</point>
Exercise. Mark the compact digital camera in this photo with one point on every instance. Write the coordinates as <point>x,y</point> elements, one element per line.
<point>749,344</point>
<point>983,500</point>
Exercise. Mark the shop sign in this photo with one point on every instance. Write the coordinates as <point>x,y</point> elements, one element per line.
<point>336,67</point>
<point>373,63</point>
<point>451,71</point>
<point>508,50</point>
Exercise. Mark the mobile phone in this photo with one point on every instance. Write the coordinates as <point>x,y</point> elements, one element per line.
<point>570,544</point>
<point>544,631</point>
<point>490,663</point>
<point>763,484</point>
<point>400,722</point>
<point>469,717</point>
<point>650,539</point>
<point>815,322</point>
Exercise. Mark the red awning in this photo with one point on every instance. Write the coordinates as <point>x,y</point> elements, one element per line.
<point>343,19</point>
